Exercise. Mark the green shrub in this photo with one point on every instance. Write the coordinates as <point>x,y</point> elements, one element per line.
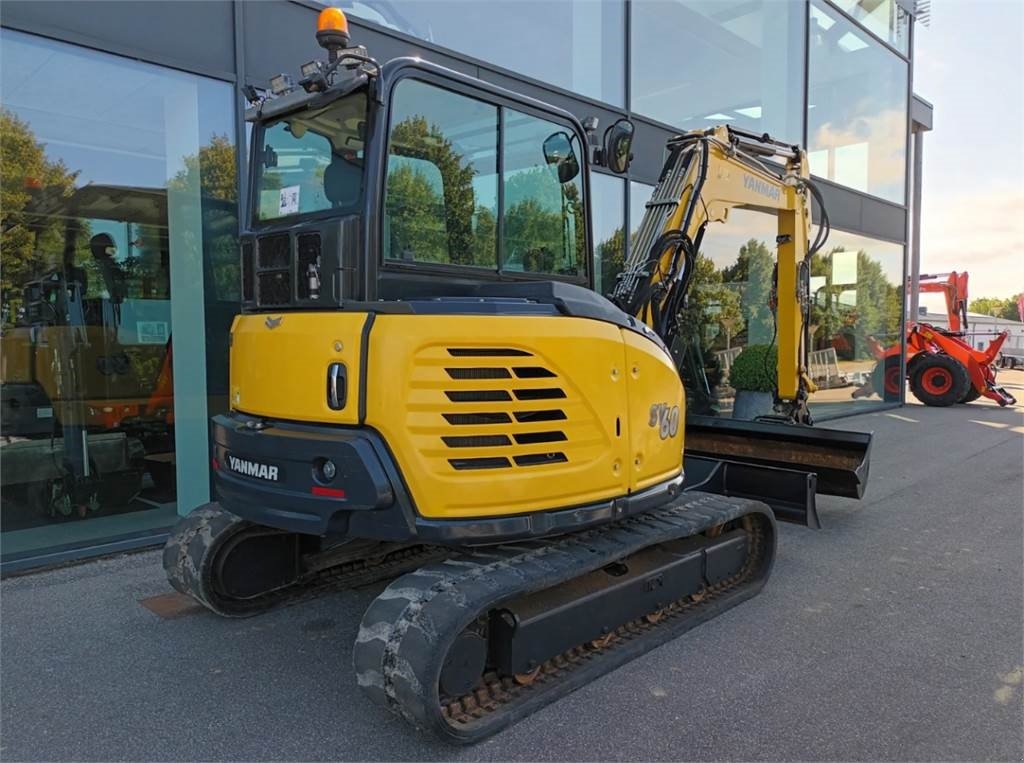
<point>755,368</point>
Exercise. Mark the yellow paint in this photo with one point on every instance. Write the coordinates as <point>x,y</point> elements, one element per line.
<point>606,380</point>
<point>281,372</point>
<point>407,399</point>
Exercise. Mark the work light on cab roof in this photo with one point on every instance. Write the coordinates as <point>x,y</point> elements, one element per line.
<point>332,34</point>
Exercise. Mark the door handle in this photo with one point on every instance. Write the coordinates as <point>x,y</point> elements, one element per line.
<point>337,386</point>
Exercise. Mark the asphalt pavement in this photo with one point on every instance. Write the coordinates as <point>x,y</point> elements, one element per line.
<point>894,633</point>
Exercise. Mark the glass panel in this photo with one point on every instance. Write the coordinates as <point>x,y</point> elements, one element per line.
<point>573,44</point>
<point>544,222</point>
<point>313,161</point>
<point>118,208</point>
<point>639,195</point>
<point>857,108</point>
<point>737,62</point>
<point>728,307</point>
<point>441,196</point>
<point>608,202</point>
<point>883,17</point>
<point>856,316</point>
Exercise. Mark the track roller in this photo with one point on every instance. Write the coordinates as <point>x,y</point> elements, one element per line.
<point>470,645</point>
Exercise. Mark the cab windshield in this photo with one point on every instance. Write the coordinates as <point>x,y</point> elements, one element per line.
<point>312,161</point>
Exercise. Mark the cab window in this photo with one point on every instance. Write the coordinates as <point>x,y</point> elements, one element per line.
<point>441,194</point>
<point>442,186</point>
<point>544,230</point>
<point>312,161</point>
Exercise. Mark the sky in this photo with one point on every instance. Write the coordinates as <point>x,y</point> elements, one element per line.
<point>970,66</point>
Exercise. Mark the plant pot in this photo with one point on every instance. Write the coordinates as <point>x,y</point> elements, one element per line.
<point>750,404</point>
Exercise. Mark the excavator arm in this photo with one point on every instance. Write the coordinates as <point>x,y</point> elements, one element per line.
<point>706,174</point>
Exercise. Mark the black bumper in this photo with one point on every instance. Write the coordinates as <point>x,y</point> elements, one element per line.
<point>367,498</point>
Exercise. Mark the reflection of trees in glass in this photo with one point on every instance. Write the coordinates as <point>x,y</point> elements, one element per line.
<point>216,170</point>
<point>31,245</point>
<point>751,274</point>
<point>612,256</point>
<point>438,224</point>
<point>875,311</point>
<point>544,228</point>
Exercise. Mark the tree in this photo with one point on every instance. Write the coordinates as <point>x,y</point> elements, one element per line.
<point>32,243</point>
<point>997,308</point>
<point>444,214</point>
<point>213,171</point>
<point>611,259</point>
<point>846,321</point>
<point>752,276</point>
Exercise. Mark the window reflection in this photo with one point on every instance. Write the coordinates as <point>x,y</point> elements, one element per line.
<point>573,44</point>
<point>607,199</point>
<point>441,200</point>
<point>883,17</point>
<point>108,203</point>
<point>732,62</point>
<point>857,108</point>
<point>855,314</point>
<point>545,227</point>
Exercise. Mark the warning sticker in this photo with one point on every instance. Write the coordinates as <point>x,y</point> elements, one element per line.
<point>289,201</point>
<point>152,332</point>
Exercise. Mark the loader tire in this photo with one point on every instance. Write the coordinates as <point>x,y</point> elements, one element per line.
<point>886,380</point>
<point>939,380</point>
<point>972,394</point>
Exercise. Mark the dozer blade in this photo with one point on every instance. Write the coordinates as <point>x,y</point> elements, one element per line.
<point>839,458</point>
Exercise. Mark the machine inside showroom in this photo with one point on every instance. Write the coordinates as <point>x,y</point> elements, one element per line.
<point>424,384</point>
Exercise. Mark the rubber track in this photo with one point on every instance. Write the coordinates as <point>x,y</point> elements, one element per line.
<point>190,555</point>
<point>407,631</point>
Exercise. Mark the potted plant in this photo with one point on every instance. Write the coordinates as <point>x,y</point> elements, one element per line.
<point>752,375</point>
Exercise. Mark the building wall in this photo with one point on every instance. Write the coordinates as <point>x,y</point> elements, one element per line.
<point>123,120</point>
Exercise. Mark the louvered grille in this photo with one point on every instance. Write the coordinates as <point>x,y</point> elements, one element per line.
<point>275,252</point>
<point>275,288</point>
<point>274,271</point>
<point>515,409</point>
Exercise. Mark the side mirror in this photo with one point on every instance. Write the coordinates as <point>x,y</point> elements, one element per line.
<point>269,157</point>
<point>618,145</point>
<point>558,151</point>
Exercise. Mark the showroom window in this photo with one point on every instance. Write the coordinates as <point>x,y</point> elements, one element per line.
<point>608,203</point>
<point>120,278</point>
<point>885,18</point>
<point>577,45</point>
<point>735,62</point>
<point>856,314</point>
<point>856,109</point>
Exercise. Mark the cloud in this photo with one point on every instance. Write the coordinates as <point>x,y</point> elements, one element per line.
<point>981,232</point>
<point>881,136</point>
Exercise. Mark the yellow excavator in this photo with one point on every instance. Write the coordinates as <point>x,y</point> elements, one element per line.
<point>424,384</point>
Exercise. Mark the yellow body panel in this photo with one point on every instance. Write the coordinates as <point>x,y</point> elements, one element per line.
<point>485,415</point>
<point>279,364</point>
<point>657,412</point>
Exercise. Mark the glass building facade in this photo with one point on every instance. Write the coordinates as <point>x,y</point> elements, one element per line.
<point>121,182</point>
